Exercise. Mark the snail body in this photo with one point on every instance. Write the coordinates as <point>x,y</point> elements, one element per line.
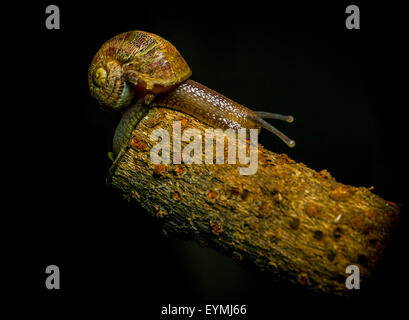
<point>141,69</point>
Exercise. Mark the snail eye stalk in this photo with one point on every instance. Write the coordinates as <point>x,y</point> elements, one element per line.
<point>267,115</point>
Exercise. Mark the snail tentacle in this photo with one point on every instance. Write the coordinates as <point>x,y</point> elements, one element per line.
<point>277,116</point>
<point>289,142</point>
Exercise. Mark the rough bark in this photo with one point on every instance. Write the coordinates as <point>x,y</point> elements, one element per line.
<point>287,219</point>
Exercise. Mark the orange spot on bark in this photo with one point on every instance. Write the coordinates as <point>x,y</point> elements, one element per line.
<point>161,213</point>
<point>283,158</point>
<point>211,195</point>
<point>312,210</point>
<point>183,122</point>
<point>176,196</point>
<point>324,174</point>
<point>160,169</point>
<point>139,144</point>
<point>342,193</point>
<point>216,229</point>
<point>179,169</point>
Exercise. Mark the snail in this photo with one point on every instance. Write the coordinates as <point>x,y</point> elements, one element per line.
<point>143,70</point>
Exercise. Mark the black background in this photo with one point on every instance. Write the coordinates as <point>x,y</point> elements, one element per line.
<point>342,86</point>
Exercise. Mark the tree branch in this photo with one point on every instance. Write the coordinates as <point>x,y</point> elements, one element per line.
<point>287,219</point>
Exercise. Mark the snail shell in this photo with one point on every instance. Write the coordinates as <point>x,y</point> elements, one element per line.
<point>134,64</point>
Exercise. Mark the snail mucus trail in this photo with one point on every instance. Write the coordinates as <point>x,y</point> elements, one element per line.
<point>137,70</point>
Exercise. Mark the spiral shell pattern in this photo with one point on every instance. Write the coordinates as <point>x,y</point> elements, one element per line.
<point>132,64</point>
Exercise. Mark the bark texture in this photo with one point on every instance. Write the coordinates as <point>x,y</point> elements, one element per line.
<point>287,219</point>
